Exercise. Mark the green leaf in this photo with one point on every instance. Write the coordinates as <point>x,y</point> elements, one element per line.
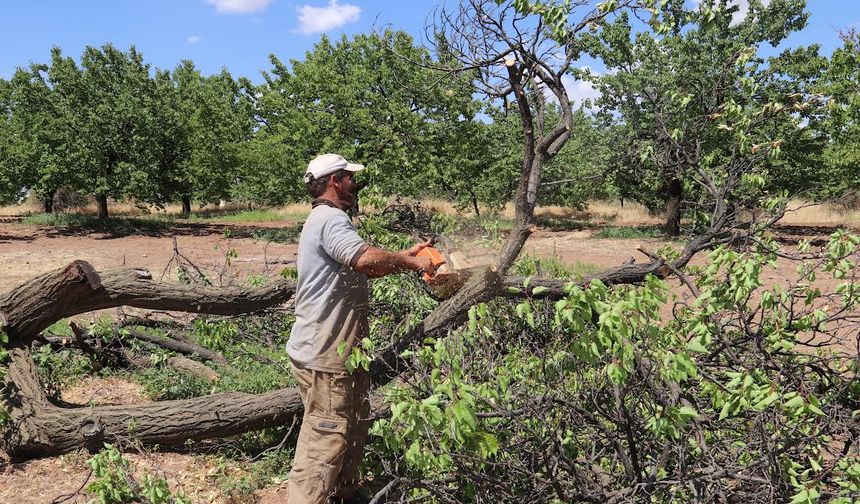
<point>694,345</point>
<point>686,412</point>
<point>795,402</point>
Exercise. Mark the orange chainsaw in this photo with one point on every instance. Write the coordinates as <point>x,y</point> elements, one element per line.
<point>447,279</point>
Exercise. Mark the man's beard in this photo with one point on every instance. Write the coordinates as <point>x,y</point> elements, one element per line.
<point>353,198</point>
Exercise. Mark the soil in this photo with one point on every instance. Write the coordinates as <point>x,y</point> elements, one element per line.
<point>26,251</point>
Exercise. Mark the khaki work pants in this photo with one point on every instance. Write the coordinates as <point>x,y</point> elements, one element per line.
<point>331,439</point>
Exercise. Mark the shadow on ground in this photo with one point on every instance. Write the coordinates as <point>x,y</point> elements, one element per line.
<point>120,227</point>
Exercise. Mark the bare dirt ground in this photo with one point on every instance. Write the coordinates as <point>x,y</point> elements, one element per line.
<point>26,251</point>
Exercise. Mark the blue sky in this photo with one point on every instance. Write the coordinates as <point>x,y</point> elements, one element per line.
<point>240,34</point>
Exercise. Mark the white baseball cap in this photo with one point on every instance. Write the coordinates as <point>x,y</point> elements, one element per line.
<point>327,164</point>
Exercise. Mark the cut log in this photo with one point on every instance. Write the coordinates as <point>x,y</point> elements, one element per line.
<point>193,368</point>
<point>43,429</point>
<point>78,288</point>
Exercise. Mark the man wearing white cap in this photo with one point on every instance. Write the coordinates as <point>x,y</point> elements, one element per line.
<point>331,302</point>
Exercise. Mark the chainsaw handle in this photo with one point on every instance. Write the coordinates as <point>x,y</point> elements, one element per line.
<point>436,259</point>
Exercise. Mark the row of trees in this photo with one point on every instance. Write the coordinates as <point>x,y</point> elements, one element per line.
<point>112,127</point>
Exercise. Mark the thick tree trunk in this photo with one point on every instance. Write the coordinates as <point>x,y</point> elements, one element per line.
<point>78,288</point>
<point>475,204</point>
<point>101,202</point>
<point>48,201</point>
<point>674,196</point>
<point>186,207</point>
<point>42,429</point>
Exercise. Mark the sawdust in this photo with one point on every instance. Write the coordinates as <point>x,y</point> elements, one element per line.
<point>96,390</point>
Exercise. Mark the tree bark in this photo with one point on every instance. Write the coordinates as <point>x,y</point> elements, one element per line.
<point>40,428</point>
<point>474,199</point>
<point>101,202</point>
<point>78,288</point>
<point>192,367</point>
<point>48,201</point>
<point>674,197</point>
<point>186,207</point>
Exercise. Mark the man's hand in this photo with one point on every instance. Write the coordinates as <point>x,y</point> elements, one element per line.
<point>424,264</point>
<point>414,249</point>
<point>376,262</point>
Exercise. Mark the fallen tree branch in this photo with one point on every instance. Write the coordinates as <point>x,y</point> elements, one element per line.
<point>183,347</point>
<point>78,288</point>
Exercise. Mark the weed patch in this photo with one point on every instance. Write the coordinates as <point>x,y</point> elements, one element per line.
<point>258,215</point>
<point>552,267</point>
<point>630,232</point>
<point>278,235</point>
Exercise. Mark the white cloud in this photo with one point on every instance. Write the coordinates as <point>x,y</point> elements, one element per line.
<point>579,90</point>
<point>193,39</point>
<point>321,19</point>
<point>239,6</point>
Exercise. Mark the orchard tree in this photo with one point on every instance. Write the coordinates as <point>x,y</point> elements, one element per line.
<point>840,122</point>
<point>41,152</point>
<point>112,97</point>
<point>275,159</point>
<point>668,96</point>
<point>581,171</point>
<point>7,169</point>
<point>364,98</point>
<point>207,121</point>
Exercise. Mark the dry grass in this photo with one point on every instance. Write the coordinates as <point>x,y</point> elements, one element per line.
<point>598,212</point>
<point>802,213</point>
<point>126,209</point>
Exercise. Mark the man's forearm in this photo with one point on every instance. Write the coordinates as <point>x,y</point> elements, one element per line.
<point>376,262</point>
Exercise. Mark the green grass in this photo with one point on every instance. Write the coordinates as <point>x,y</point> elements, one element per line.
<point>630,232</point>
<point>553,267</point>
<point>259,215</point>
<point>557,224</point>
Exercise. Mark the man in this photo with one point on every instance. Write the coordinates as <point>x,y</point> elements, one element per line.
<point>331,302</point>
